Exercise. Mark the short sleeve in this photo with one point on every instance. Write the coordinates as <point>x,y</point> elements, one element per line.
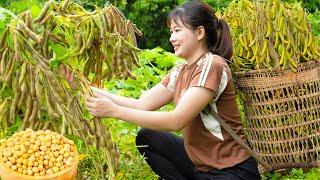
<point>211,73</point>
<point>169,80</point>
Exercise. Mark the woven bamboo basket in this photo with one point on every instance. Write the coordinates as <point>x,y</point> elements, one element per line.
<point>67,174</point>
<point>283,115</point>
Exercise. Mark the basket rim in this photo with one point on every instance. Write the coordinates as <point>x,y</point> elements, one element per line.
<point>6,168</point>
<point>274,70</point>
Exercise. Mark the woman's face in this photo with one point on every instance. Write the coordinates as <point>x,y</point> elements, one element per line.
<point>183,39</point>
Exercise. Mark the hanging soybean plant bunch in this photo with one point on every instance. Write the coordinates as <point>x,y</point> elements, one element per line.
<point>95,45</point>
<point>103,40</point>
<point>270,34</point>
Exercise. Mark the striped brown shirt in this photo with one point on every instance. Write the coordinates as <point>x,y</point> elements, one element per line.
<point>207,144</point>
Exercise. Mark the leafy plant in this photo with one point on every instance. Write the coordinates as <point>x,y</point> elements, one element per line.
<point>314,20</point>
<point>19,6</point>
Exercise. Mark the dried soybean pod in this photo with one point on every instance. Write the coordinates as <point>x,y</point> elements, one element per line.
<point>115,155</point>
<point>63,125</point>
<point>35,37</point>
<point>104,25</point>
<point>91,35</point>
<point>119,61</point>
<point>57,39</point>
<point>3,38</point>
<point>51,112</point>
<point>87,124</point>
<point>107,136</point>
<point>113,67</point>
<point>31,81</point>
<point>34,112</point>
<point>97,132</point>
<point>55,91</point>
<point>130,74</point>
<point>3,61</point>
<point>131,35</point>
<point>84,45</point>
<point>99,65</point>
<point>15,101</point>
<point>46,19</point>
<point>44,11</point>
<point>78,41</point>
<point>110,21</point>
<point>93,62</point>
<point>37,124</point>
<point>135,58</point>
<point>23,70</point>
<point>24,93</point>
<point>28,20</point>
<point>65,5</point>
<point>116,57</point>
<point>37,85</point>
<point>3,113</point>
<point>87,66</point>
<point>107,72</point>
<point>27,112</point>
<point>8,57</point>
<point>115,18</point>
<point>46,125</point>
<point>16,46</point>
<point>45,46</point>
<point>10,69</point>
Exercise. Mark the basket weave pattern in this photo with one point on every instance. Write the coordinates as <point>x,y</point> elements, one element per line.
<point>283,114</point>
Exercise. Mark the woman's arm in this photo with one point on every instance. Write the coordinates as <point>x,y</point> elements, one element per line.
<point>148,101</point>
<point>189,106</point>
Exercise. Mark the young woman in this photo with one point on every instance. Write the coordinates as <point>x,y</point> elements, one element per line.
<point>202,85</point>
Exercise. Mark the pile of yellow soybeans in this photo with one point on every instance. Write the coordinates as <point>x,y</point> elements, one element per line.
<point>37,153</point>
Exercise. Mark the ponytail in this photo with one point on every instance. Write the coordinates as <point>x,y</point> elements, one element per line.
<point>223,45</point>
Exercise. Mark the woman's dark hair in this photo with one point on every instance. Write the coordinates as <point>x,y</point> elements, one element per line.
<point>195,14</point>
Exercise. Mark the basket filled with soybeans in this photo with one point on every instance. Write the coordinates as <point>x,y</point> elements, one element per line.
<point>277,72</point>
<point>39,154</point>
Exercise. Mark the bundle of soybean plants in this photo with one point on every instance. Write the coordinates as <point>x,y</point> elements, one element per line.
<point>95,45</point>
<point>270,34</point>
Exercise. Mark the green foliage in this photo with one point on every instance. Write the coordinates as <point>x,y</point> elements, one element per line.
<point>218,4</point>
<point>151,16</point>
<point>314,20</point>
<point>5,17</point>
<point>154,65</point>
<point>91,4</point>
<point>311,5</point>
<point>19,6</point>
<point>158,58</point>
<point>294,174</point>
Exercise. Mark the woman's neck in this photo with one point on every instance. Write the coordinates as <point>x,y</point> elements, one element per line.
<point>196,56</point>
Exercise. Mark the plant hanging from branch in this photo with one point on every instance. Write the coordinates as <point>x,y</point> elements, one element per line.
<point>95,45</point>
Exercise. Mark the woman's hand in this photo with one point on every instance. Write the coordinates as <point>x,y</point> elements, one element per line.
<point>101,106</point>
